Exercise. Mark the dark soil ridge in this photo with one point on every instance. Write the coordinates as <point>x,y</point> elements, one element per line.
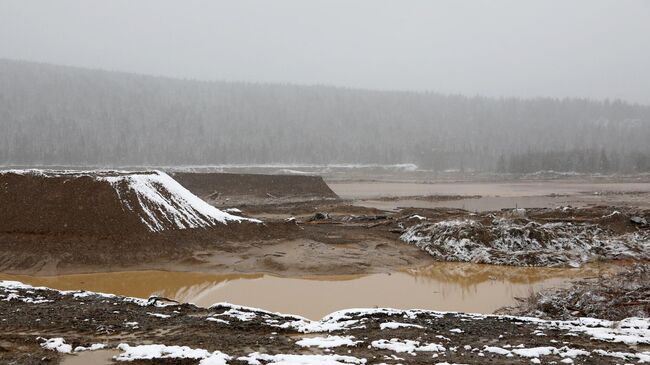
<point>99,203</point>
<point>30,315</point>
<point>221,185</point>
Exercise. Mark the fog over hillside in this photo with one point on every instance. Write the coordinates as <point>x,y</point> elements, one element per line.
<point>64,115</point>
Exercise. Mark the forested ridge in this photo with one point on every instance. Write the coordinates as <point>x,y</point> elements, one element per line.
<point>72,116</point>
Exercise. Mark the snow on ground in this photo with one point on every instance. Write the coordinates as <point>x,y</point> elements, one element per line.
<point>93,347</point>
<point>510,242</point>
<point>394,325</point>
<point>158,351</point>
<point>159,315</point>
<point>327,342</point>
<point>148,352</point>
<point>11,287</point>
<point>57,344</point>
<point>629,337</point>
<point>258,359</point>
<point>408,346</point>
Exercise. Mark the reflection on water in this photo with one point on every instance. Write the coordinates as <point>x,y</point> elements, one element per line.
<point>442,286</point>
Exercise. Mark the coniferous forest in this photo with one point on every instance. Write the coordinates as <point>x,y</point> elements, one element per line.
<point>57,115</point>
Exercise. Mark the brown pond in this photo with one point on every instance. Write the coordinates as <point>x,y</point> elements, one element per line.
<point>480,204</point>
<point>370,190</point>
<point>442,286</point>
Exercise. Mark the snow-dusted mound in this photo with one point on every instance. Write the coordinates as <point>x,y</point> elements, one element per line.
<point>525,242</point>
<point>101,202</point>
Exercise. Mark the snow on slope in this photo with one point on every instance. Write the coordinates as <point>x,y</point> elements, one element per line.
<point>156,199</point>
<point>164,201</point>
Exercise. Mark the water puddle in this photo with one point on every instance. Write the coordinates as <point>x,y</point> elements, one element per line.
<point>441,286</point>
<point>90,357</point>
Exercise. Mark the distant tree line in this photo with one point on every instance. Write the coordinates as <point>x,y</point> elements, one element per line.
<point>63,115</point>
<point>584,161</point>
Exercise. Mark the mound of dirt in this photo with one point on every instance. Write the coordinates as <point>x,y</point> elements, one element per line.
<point>508,238</point>
<point>100,203</point>
<point>217,185</point>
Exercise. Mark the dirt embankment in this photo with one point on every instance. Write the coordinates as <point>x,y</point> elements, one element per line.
<point>32,203</point>
<point>241,187</point>
<point>100,203</point>
<point>108,220</point>
<point>54,325</point>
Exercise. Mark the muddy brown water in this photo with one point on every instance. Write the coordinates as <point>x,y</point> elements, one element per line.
<point>493,196</point>
<point>482,204</point>
<point>90,357</point>
<point>442,286</point>
<point>369,190</point>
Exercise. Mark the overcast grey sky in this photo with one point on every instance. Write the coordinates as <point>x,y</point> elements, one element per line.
<point>585,48</point>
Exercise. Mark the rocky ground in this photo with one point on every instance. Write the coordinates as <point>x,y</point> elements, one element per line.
<point>53,326</point>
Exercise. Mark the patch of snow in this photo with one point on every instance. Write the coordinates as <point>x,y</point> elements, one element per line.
<point>159,315</point>
<point>535,351</point>
<point>328,342</point>
<point>257,358</point>
<point>57,344</point>
<point>164,201</point>
<point>93,347</point>
<point>408,346</point>
<point>240,315</point>
<point>498,350</point>
<point>149,352</point>
<point>394,325</point>
<point>396,345</point>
